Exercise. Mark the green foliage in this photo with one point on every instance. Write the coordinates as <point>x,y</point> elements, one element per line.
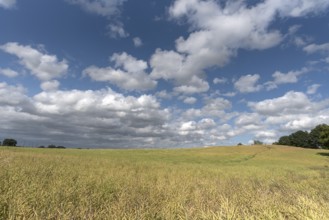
<point>315,135</point>
<point>54,146</point>
<point>299,139</point>
<point>9,142</point>
<point>284,140</point>
<point>324,137</point>
<point>317,138</point>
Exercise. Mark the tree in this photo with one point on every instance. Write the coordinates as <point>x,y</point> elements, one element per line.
<point>9,142</point>
<point>51,146</point>
<point>315,136</point>
<point>284,140</point>
<point>324,138</point>
<point>299,139</point>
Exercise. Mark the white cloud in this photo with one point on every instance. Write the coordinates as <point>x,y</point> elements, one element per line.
<point>312,89</point>
<point>314,48</point>
<point>190,100</point>
<point>163,94</point>
<point>128,62</point>
<point>137,42</point>
<point>44,66</point>
<point>284,78</point>
<point>307,122</point>
<point>248,83</point>
<point>290,77</point>
<point>266,134</point>
<point>291,112</point>
<point>218,31</point>
<point>248,119</point>
<point>12,95</point>
<point>216,109</point>
<point>7,3</point>
<point>194,85</point>
<point>105,118</point>
<point>132,76</point>
<point>198,129</point>
<point>292,102</point>
<point>8,72</point>
<point>168,65</point>
<point>102,118</point>
<point>219,80</point>
<point>50,85</point>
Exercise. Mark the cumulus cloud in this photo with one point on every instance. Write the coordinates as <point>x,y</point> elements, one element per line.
<point>292,111</point>
<point>163,94</point>
<point>284,78</point>
<point>248,83</point>
<point>129,73</point>
<point>7,3</point>
<point>194,85</point>
<point>105,118</point>
<point>248,119</point>
<point>167,65</point>
<point>12,95</point>
<point>8,72</point>
<point>204,131</point>
<point>50,85</point>
<point>44,66</point>
<point>291,102</point>
<point>213,107</point>
<point>83,118</point>
<point>218,31</point>
<point>190,100</point>
<point>170,65</point>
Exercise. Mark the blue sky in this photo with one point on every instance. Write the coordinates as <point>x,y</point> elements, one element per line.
<point>180,73</point>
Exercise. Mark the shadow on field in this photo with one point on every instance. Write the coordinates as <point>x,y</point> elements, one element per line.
<point>324,154</point>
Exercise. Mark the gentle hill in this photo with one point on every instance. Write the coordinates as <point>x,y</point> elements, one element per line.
<point>245,182</point>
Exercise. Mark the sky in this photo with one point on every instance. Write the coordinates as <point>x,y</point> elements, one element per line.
<point>155,74</point>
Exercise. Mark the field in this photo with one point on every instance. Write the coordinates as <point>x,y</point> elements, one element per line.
<point>258,182</point>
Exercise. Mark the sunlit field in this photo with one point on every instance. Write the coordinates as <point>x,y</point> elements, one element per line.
<point>259,182</point>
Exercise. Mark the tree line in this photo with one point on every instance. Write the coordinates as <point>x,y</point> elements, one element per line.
<point>317,138</point>
<point>9,142</point>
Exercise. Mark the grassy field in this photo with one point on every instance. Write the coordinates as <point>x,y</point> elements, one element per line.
<point>259,182</point>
